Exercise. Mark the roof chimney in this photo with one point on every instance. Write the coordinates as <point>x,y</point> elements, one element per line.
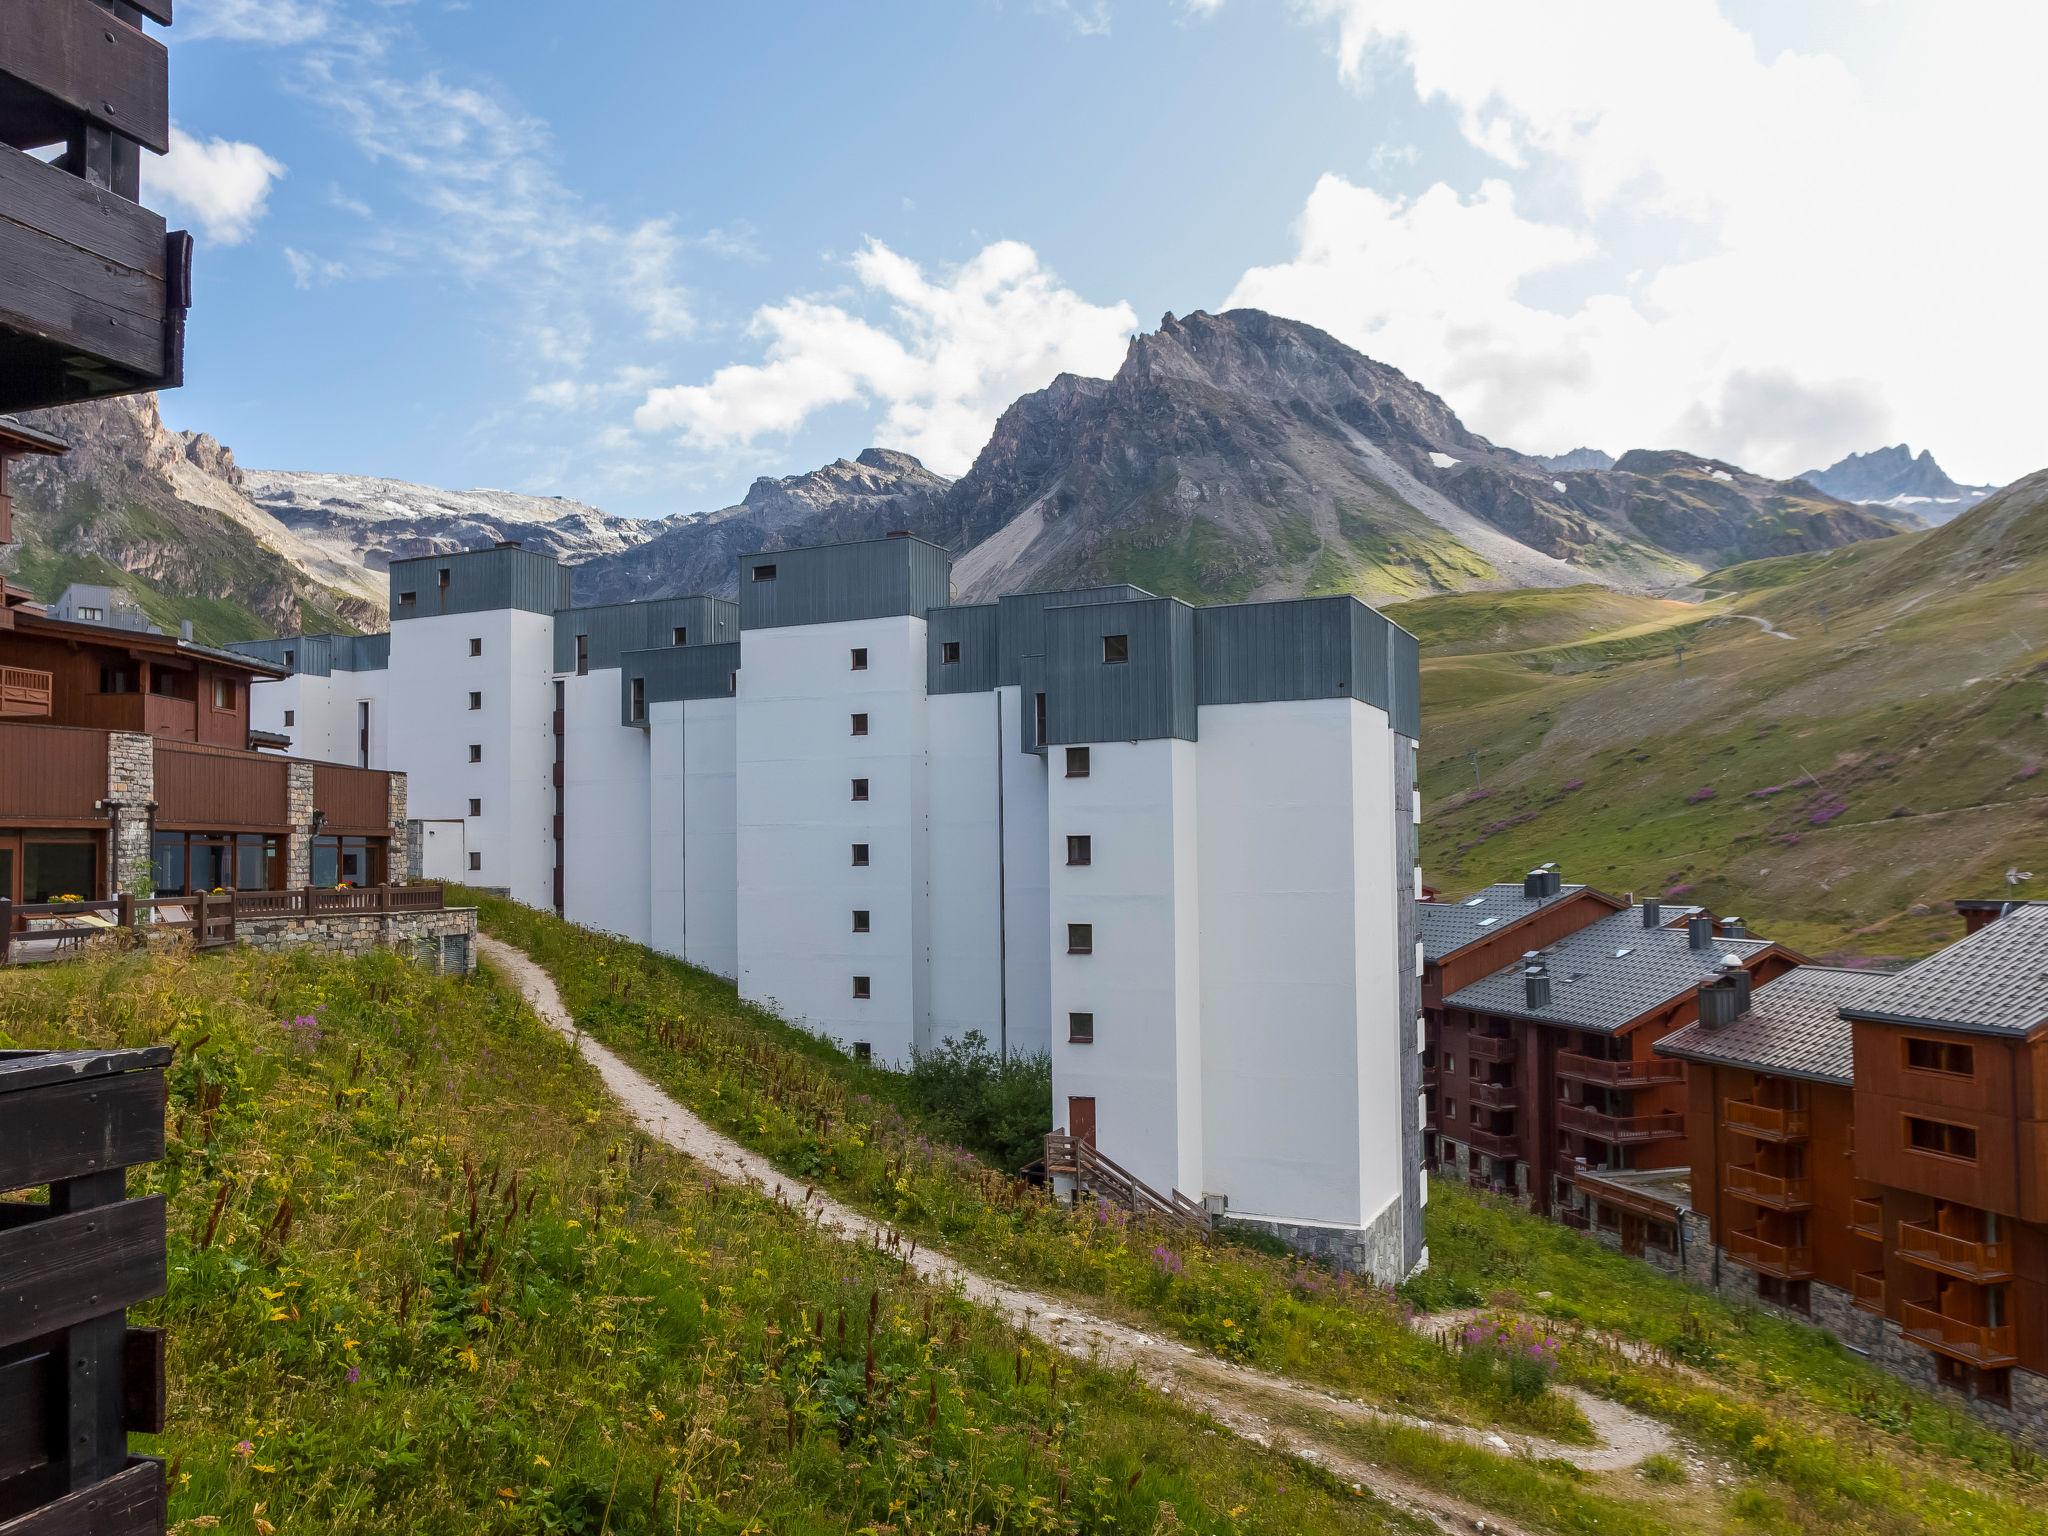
<point>1553,880</point>
<point>185,630</point>
<point>1535,980</point>
<point>1535,885</point>
<point>1726,998</point>
<point>1731,928</point>
<point>1653,914</point>
<point>1699,931</point>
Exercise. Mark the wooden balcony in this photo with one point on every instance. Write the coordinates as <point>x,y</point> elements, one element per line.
<point>1866,1291</point>
<point>1618,1074</point>
<point>1866,1218</point>
<point>1493,1048</point>
<point>1980,1344</point>
<point>1618,1130</point>
<point>93,288</point>
<point>1492,1143</point>
<point>24,694</point>
<point>1765,1122</point>
<point>1773,1191</point>
<point>1786,1261</point>
<point>1492,1095</point>
<point>1966,1259</point>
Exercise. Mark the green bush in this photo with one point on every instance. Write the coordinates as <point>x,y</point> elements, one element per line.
<point>999,1108</point>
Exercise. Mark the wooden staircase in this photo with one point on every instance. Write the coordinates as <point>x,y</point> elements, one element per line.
<point>1097,1175</point>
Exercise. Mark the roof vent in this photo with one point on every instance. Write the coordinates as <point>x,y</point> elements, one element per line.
<point>1724,999</point>
<point>1699,932</point>
<point>1536,884</point>
<point>1731,928</point>
<point>1653,914</point>
<point>1535,981</point>
<point>185,630</point>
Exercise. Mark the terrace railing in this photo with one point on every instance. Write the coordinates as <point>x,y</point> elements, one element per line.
<point>1618,1073</point>
<point>24,694</point>
<point>1984,1262</point>
<point>75,1379</point>
<point>52,930</point>
<point>1985,1345</point>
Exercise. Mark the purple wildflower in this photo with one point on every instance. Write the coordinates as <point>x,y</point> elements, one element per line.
<point>1704,792</point>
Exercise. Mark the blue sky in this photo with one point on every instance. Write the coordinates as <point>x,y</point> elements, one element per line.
<point>637,253</point>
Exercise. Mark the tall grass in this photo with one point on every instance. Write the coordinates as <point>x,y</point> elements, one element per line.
<point>423,1278</point>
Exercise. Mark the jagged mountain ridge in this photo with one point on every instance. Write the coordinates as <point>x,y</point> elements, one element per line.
<point>1897,477</point>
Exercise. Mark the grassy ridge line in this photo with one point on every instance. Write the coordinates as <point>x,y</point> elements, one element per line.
<point>1853,1451</point>
<point>424,1279</point>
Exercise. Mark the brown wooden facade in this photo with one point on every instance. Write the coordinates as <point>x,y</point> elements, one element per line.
<point>125,680</point>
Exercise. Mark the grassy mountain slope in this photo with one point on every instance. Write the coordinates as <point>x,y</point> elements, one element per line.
<point>1833,787</point>
<point>493,1308</point>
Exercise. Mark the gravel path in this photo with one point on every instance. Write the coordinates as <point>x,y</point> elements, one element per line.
<point>1243,1401</point>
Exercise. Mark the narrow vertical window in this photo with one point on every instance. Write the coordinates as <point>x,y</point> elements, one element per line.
<point>860,789</point>
<point>1080,850</point>
<point>291,717</point>
<point>860,855</point>
<point>476,645</point>
<point>1077,762</point>
<point>639,698</point>
<point>1038,719</point>
<point>476,861</point>
<point>680,635</point>
<point>476,806</point>
<point>582,655</point>
<point>476,752</point>
<point>860,725</point>
<point>476,700</point>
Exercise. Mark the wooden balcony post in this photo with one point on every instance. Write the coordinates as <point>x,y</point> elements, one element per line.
<point>6,928</point>
<point>124,910</point>
<point>199,921</point>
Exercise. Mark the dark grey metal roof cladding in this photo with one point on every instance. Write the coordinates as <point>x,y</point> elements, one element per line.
<point>1022,625</point>
<point>1995,982</point>
<point>1147,697</point>
<point>479,581</point>
<point>677,672</point>
<point>834,583</point>
<point>614,628</point>
<point>1404,670</point>
<point>975,630</point>
<point>1304,648</point>
<point>1792,1028</point>
<point>1448,926</point>
<point>321,655</point>
<point>1606,974</point>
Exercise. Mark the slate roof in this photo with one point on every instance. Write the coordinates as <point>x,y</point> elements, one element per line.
<point>1448,926</point>
<point>1793,1027</point>
<point>1995,982</point>
<point>1607,974</point>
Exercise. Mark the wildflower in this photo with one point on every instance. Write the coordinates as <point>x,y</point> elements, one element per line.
<point>353,1376</point>
<point>244,1449</point>
<point>542,1461</point>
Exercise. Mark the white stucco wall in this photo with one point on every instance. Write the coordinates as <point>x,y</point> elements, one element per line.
<point>964,951</point>
<point>797,821</point>
<point>323,711</point>
<point>711,836</point>
<point>1027,895</point>
<point>1143,980</point>
<point>444,850</point>
<point>606,846</point>
<point>432,727</point>
<point>1299,999</point>
<point>668,917</point>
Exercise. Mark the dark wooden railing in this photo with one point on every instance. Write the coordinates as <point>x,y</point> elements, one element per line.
<point>1078,1160</point>
<point>75,1379</point>
<point>24,694</point>
<point>209,916</point>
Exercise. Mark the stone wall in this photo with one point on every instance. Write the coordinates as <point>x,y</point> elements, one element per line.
<point>298,853</point>
<point>444,941</point>
<point>1378,1251</point>
<point>131,793</point>
<point>398,854</point>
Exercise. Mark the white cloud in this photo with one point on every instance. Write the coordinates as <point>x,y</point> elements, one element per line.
<point>310,271</point>
<point>945,361</point>
<point>278,22</point>
<point>220,184</point>
<point>1834,241</point>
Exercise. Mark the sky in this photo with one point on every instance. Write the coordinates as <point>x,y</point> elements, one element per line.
<point>639,252</point>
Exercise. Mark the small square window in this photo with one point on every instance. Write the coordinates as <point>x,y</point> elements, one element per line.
<point>949,653</point>
<point>1077,762</point>
<point>861,923</point>
<point>680,635</point>
<point>476,752</point>
<point>863,1052</point>
<point>290,657</point>
<point>1080,1029</point>
<point>1080,850</point>
<point>1116,648</point>
<point>860,855</point>
<point>860,789</point>
<point>1080,938</point>
<point>860,725</point>
<point>476,807</point>
<point>860,659</point>
<point>476,861</point>
<point>861,987</point>
<point>476,645</point>
<point>476,700</point>
<point>291,717</point>
<point>764,573</point>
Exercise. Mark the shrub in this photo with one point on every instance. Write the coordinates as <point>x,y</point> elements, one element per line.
<point>998,1108</point>
<point>1660,1468</point>
<point>1516,1359</point>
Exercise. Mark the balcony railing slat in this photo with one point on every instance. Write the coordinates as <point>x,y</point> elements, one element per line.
<point>1973,1259</point>
<point>116,75</point>
<point>1981,1344</point>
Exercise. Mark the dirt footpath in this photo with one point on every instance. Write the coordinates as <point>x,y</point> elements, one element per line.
<point>1239,1399</point>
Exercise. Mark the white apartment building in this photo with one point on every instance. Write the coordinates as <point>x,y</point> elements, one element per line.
<point>1174,847</point>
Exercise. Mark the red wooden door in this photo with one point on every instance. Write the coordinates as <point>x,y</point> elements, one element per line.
<point>1081,1119</point>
